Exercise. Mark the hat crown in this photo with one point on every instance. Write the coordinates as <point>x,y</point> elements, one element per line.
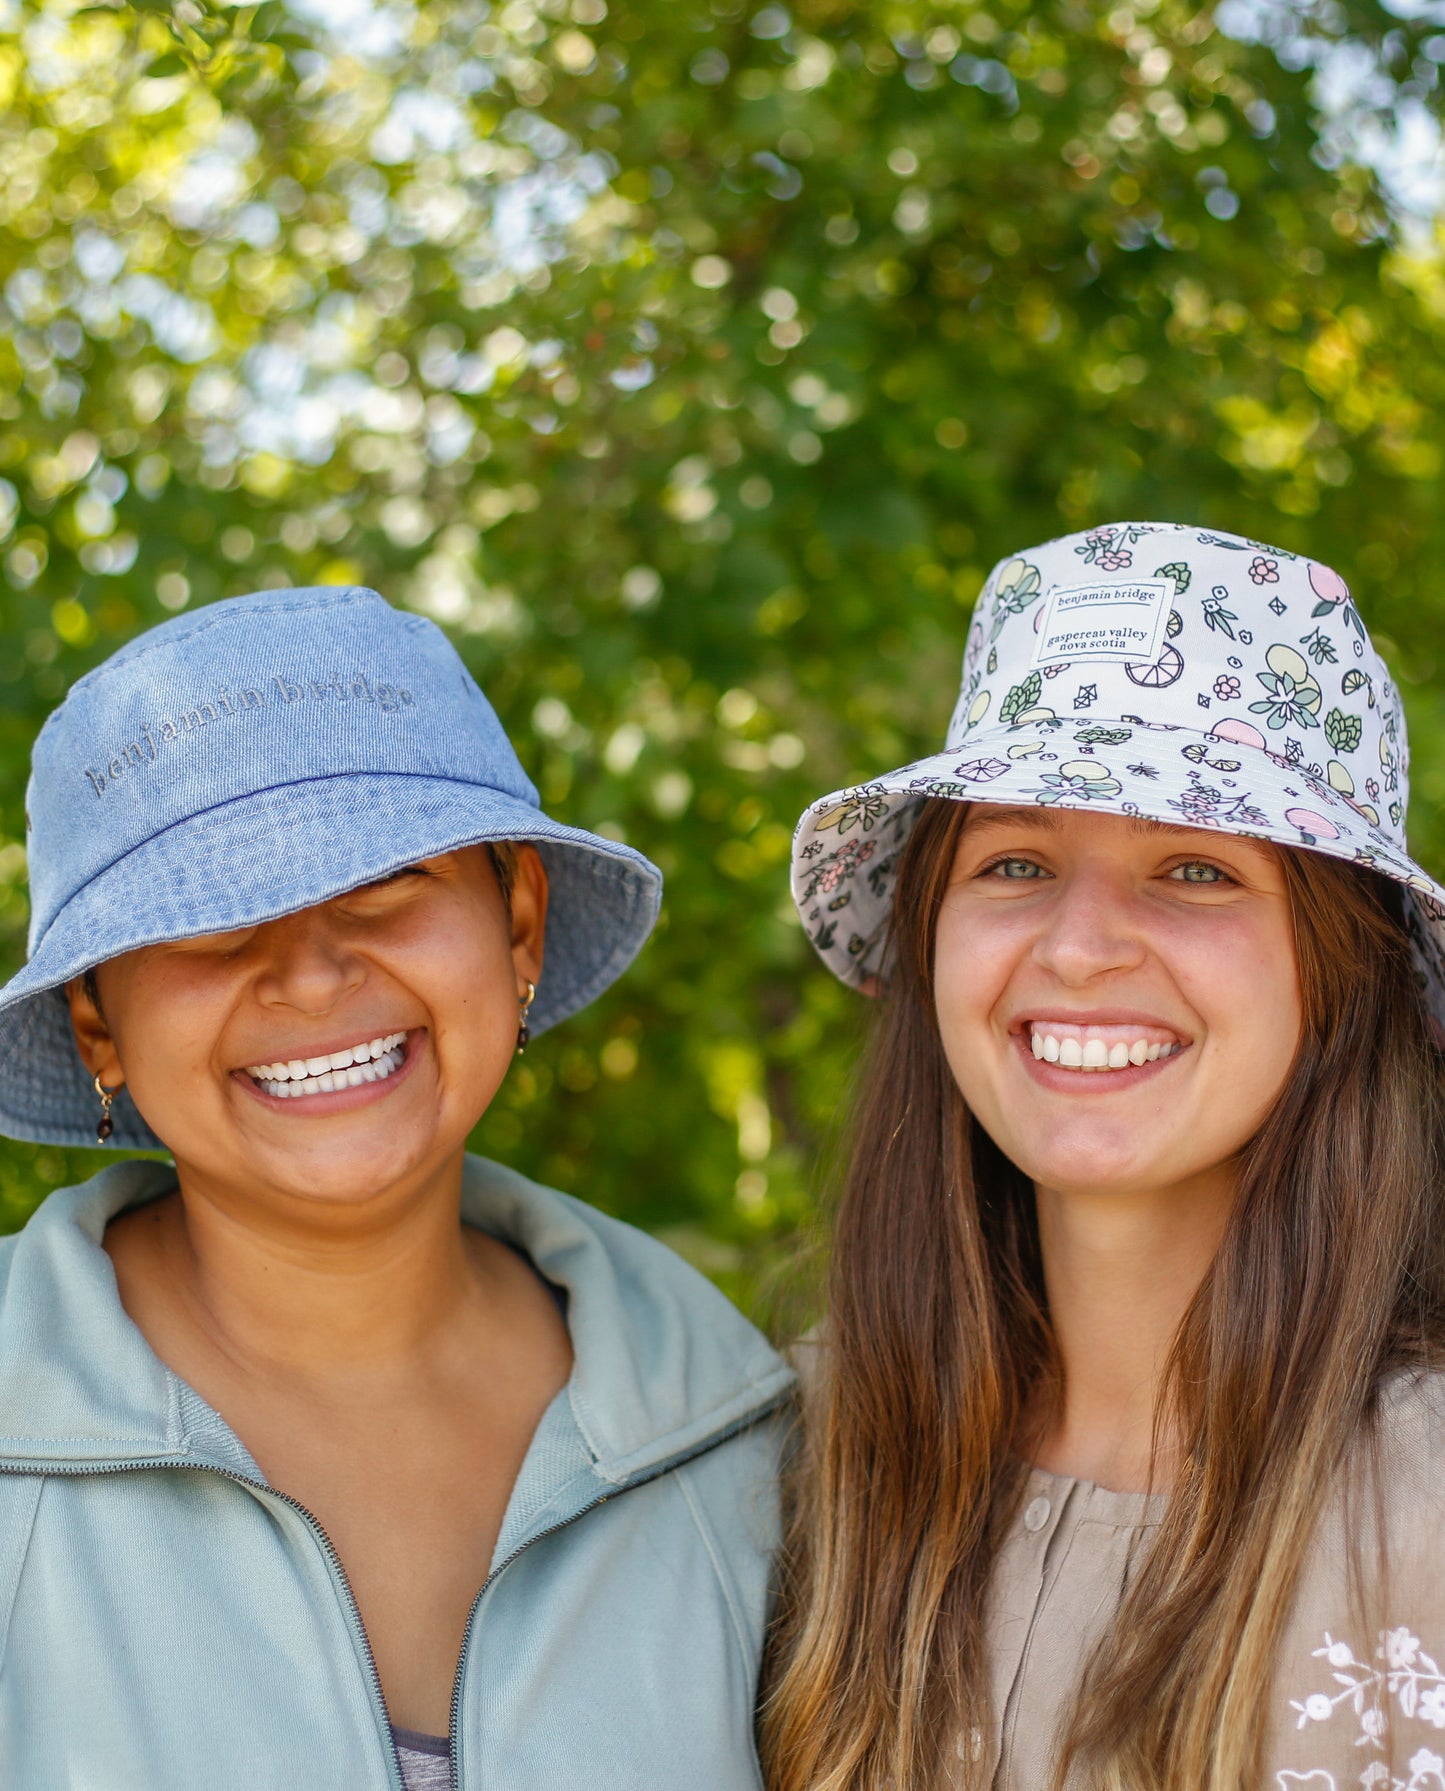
<point>277,688</point>
<point>1167,627</point>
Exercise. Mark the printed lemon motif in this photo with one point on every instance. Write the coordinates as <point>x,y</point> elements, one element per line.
<point>978,708</point>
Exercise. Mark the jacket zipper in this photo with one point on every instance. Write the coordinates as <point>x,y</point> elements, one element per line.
<point>354,1610</point>
<point>656,1473</point>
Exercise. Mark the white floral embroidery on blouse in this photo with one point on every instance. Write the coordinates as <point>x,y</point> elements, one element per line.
<point>1401,1672</point>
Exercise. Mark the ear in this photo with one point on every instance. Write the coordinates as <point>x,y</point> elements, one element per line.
<point>529,916</point>
<point>92,1035</point>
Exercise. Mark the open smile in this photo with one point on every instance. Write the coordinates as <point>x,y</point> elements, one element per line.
<point>1108,1050</point>
<point>358,1066</point>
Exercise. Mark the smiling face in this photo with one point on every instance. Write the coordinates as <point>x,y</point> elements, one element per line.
<point>335,1053</point>
<point>1119,1001</point>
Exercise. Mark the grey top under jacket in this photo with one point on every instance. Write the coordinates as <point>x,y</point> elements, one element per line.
<point>169,1620</point>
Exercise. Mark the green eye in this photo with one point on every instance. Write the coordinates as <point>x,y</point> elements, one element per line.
<point>1017,870</point>
<point>1198,873</point>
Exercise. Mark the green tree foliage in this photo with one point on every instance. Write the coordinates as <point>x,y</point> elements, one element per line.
<point>690,363</point>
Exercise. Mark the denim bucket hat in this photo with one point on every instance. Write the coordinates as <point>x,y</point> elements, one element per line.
<point>1156,670</point>
<point>255,758</point>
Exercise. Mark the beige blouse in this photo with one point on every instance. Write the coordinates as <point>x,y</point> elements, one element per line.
<point>1356,1702</point>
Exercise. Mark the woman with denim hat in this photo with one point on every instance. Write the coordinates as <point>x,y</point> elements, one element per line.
<point>1127,1432</point>
<point>330,1456</point>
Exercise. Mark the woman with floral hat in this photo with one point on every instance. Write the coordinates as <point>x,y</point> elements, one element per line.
<point>331,1456</point>
<point>1126,1441</point>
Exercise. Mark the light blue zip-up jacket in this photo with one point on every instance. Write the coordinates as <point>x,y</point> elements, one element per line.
<point>168,1622</point>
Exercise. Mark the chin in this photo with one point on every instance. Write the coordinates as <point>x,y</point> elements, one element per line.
<point>1093,1168</point>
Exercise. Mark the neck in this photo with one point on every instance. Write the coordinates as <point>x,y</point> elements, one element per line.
<point>1120,1271</point>
<point>308,1289</point>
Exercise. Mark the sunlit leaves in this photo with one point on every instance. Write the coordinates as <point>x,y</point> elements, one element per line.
<point>691,363</point>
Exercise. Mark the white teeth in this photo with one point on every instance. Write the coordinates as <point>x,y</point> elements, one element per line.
<point>372,1061</point>
<point>1095,1054</point>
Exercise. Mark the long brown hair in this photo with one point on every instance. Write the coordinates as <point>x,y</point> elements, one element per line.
<point>938,1346</point>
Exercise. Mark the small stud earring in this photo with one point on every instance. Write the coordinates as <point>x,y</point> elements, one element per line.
<point>522,1033</point>
<point>107,1101</point>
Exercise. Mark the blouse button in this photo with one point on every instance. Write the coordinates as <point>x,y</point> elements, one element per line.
<point>1037,1514</point>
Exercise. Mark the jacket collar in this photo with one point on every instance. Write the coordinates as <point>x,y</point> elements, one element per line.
<point>664,1365</point>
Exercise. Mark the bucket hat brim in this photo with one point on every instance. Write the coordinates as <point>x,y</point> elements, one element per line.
<point>288,848</point>
<point>848,844</point>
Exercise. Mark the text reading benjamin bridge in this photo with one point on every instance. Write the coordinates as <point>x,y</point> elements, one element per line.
<point>276,691</point>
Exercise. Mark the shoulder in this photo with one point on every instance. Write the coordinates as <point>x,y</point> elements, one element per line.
<point>1359,1666</point>
<point>1408,1437</point>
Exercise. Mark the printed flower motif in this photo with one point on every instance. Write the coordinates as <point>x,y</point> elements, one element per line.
<point>1106,550</point>
<point>1407,1677</point>
<point>842,865</point>
<point>1145,771</point>
<point>1293,695</point>
<point>1216,615</point>
<point>1263,571</point>
<point>1078,781</point>
<point>1226,688</point>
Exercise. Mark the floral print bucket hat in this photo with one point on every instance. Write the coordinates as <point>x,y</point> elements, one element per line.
<point>1147,669</point>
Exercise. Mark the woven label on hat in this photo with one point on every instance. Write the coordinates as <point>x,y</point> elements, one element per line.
<point>1114,621</point>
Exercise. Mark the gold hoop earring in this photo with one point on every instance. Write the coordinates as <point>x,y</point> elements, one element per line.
<point>107,1101</point>
<point>522,1033</point>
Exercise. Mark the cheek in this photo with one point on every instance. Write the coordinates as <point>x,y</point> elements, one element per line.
<point>1244,983</point>
<point>976,951</point>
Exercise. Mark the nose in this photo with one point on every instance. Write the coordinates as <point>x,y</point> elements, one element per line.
<point>309,967</point>
<point>1090,929</point>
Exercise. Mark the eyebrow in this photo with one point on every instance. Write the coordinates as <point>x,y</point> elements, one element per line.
<point>984,816</point>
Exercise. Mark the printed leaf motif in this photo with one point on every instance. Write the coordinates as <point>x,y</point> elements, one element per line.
<point>1343,731</point>
<point>1102,736</point>
<point>1022,697</point>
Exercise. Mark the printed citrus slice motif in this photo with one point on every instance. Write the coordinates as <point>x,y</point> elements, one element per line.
<point>1159,673</point>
